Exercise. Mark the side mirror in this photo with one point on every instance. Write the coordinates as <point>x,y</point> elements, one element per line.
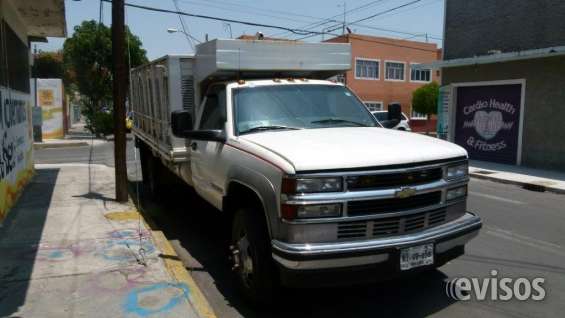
<point>208,135</point>
<point>394,116</point>
<point>181,123</point>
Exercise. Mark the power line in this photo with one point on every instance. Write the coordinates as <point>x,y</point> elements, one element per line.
<point>395,31</point>
<point>294,31</point>
<point>367,18</point>
<point>184,29</point>
<point>257,11</point>
<point>332,18</point>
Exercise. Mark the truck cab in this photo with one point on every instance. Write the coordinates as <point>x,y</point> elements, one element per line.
<point>316,190</point>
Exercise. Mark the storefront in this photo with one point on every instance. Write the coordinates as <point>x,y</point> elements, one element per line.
<point>19,25</point>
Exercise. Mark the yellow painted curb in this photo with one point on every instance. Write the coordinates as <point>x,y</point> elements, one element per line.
<point>178,271</point>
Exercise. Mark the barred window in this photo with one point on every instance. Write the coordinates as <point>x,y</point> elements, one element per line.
<point>395,71</point>
<point>366,69</point>
<point>420,75</point>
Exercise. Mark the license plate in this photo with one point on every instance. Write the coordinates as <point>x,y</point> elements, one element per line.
<point>416,256</point>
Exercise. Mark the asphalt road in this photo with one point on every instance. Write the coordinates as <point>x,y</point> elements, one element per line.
<point>523,236</point>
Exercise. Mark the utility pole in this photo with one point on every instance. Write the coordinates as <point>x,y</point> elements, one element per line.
<point>119,92</point>
<point>344,13</point>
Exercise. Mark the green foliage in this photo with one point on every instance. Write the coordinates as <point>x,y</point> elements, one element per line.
<point>99,122</point>
<point>424,99</point>
<point>48,65</point>
<point>88,61</point>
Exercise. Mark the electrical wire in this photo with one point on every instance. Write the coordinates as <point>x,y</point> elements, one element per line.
<point>367,18</point>
<point>332,18</point>
<point>141,251</point>
<point>201,16</point>
<point>184,29</point>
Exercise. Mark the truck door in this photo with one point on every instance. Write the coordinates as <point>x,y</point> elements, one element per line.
<point>205,155</point>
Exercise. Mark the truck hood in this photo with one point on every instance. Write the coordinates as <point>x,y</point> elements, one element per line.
<point>352,147</point>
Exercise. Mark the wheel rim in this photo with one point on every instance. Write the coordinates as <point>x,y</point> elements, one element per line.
<point>243,258</point>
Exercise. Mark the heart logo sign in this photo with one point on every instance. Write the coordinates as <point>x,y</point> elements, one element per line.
<point>488,124</point>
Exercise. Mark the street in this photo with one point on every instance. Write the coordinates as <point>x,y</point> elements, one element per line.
<point>522,236</point>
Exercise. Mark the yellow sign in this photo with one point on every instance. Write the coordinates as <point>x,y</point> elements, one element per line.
<point>46,97</point>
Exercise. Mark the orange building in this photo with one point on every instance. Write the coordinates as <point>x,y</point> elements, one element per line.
<point>382,73</point>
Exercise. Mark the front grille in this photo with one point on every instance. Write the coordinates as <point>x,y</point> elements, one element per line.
<point>353,229</point>
<point>392,180</point>
<point>368,207</point>
<point>391,226</point>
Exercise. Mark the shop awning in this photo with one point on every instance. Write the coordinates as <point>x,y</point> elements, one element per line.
<point>496,58</point>
<point>43,18</point>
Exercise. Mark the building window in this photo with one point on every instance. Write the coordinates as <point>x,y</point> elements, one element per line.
<point>394,71</point>
<point>366,69</point>
<point>374,106</point>
<point>416,115</point>
<point>420,75</point>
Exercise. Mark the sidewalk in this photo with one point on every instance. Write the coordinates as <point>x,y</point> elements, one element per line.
<point>77,136</point>
<point>533,179</point>
<point>69,250</point>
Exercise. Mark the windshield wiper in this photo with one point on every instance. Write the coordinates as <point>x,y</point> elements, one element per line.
<point>337,121</point>
<point>264,128</point>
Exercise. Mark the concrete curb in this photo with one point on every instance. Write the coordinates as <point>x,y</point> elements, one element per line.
<point>59,145</point>
<point>177,270</point>
<point>527,185</point>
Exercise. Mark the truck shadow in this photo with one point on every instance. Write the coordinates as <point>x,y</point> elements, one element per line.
<point>199,233</point>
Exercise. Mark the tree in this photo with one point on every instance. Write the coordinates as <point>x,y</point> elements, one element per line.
<point>424,100</point>
<point>88,62</point>
<point>48,65</point>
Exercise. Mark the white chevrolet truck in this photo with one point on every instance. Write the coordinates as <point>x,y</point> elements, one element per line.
<point>316,190</point>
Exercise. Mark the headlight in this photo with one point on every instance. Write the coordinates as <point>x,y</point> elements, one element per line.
<point>291,212</point>
<point>456,193</point>
<point>311,185</point>
<point>458,171</point>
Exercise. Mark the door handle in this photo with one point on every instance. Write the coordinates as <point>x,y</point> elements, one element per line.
<point>194,146</point>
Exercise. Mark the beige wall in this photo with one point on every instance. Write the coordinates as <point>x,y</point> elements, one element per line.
<point>11,16</point>
<point>385,49</point>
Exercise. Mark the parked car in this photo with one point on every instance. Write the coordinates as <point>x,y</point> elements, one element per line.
<point>382,115</point>
<point>257,131</point>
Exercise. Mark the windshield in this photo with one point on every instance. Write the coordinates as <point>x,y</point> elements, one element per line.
<point>298,107</point>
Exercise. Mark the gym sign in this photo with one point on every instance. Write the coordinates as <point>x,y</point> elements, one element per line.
<point>488,120</point>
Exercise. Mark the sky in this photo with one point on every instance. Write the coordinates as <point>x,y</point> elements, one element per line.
<point>412,21</point>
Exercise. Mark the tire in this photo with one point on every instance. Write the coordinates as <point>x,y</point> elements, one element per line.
<point>254,270</point>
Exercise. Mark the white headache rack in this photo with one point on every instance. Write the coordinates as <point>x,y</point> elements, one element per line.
<point>225,59</point>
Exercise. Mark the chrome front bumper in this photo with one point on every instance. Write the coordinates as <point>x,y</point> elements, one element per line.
<point>356,253</point>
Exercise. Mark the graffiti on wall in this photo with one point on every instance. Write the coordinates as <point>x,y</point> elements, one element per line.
<point>50,99</point>
<point>15,146</point>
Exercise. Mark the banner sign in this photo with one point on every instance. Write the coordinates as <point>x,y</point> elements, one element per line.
<point>16,164</point>
<point>50,99</point>
<point>488,122</point>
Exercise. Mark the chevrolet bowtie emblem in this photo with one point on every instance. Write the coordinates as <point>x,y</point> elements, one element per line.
<point>405,193</point>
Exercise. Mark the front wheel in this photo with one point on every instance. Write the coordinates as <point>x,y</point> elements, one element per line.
<point>253,266</point>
